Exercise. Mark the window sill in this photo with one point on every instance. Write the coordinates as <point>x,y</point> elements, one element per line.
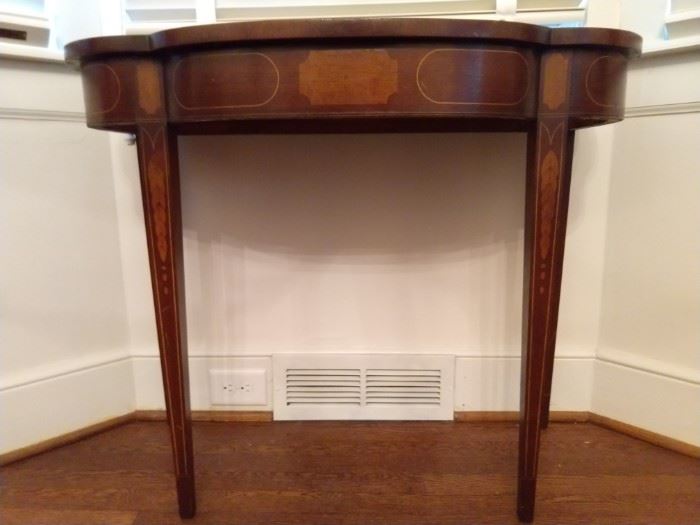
<point>33,53</point>
<point>665,47</point>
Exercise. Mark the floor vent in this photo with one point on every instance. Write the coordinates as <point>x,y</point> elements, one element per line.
<point>309,386</point>
<point>400,387</point>
<point>363,386</point>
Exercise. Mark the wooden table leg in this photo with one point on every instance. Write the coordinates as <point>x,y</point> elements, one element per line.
<point>557,266</point>
<point>548,179</point>
<point>160,188</point>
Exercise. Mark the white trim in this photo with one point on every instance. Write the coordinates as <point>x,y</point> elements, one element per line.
<point>493,384</point>
<point>36,28</point>
<point>147,18</point>
<point>647,400</point>
<point>653,47</point>
<point>42,114</point>
<point>563,352</point>
<point>25,19</point>
<point>61,404</point>
<point>61,369</point>
<point>146,28</point>
<point>148,381</point>
<point>481,382</point>
<point>678,6</point>
<point>35,53</point>
<point>78,116</point>
<point>681,24</point>
<point>111,17</point>
<point>648,365</point>
<point>206,11</point>
<point>662,109</point>
<point>303,9</point>
<point>153,14</point>
<point>507,7</point>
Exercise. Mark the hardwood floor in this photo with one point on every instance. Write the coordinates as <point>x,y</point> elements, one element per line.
<point>352,473</point>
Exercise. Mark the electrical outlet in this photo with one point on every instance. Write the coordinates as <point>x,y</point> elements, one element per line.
<point>244,386</point>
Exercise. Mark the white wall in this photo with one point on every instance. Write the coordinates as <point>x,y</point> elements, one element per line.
<point>375,243</point>
<point>63,333</point>
<point>648,368</point>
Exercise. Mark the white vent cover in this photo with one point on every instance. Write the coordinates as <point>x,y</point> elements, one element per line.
<point>363,386</point>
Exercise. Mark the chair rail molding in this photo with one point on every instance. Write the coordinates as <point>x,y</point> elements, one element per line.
<point>9,113</point>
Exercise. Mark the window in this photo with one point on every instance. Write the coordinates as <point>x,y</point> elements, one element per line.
<point>666,25</point>
<point>38,29</point>
<point>24,25</point>
<point>682,20</point>
<point>145,16</point>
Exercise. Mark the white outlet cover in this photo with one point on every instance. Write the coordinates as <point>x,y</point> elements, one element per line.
<point>242,386</point>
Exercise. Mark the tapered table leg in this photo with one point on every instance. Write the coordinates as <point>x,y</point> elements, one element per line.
<point>548,180</point>
<point>550,148</point>
<point>160,188</point>
<point>557,266</point>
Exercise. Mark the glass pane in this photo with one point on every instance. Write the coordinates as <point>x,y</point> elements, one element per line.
<point>260,9</point>
<point>28,7</point>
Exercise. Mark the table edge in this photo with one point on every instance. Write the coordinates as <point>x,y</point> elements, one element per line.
<point>348,29</point>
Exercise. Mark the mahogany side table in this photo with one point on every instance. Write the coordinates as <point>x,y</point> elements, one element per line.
<point>359,75</point>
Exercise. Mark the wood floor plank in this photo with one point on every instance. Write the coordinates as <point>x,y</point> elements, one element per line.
<point>355,473</point>
<point>11,516</point>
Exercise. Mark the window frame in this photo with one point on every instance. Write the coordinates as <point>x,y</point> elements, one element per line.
<point>140,20</point>
<point>37,27</point>
<point>116,20</point>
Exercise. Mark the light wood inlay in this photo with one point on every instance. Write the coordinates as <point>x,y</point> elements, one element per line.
<point>159,203</point>
<point>549,173</point>
<point>348,77</point>
<point>556,69</point>
<point>149,87</point>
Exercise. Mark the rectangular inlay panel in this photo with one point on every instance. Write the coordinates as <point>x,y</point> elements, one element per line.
<point>348,77</point>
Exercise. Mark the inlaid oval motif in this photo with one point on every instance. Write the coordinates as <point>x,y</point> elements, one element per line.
<point>605,80</point>
<point>225,80</point>
<point>488,77</point>
<point>101,88</point>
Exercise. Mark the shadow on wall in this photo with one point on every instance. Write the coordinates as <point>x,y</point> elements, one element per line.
<point>398,242</point>
<point>388,196</point>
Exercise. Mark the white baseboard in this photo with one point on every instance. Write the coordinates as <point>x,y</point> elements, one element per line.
<point>493,384</point>
<point>148,382</point>
<point>660,367</point>
<point>55,369</point>
<point>44,408</point>
<point>481,383</point>
<point>651,401</point>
